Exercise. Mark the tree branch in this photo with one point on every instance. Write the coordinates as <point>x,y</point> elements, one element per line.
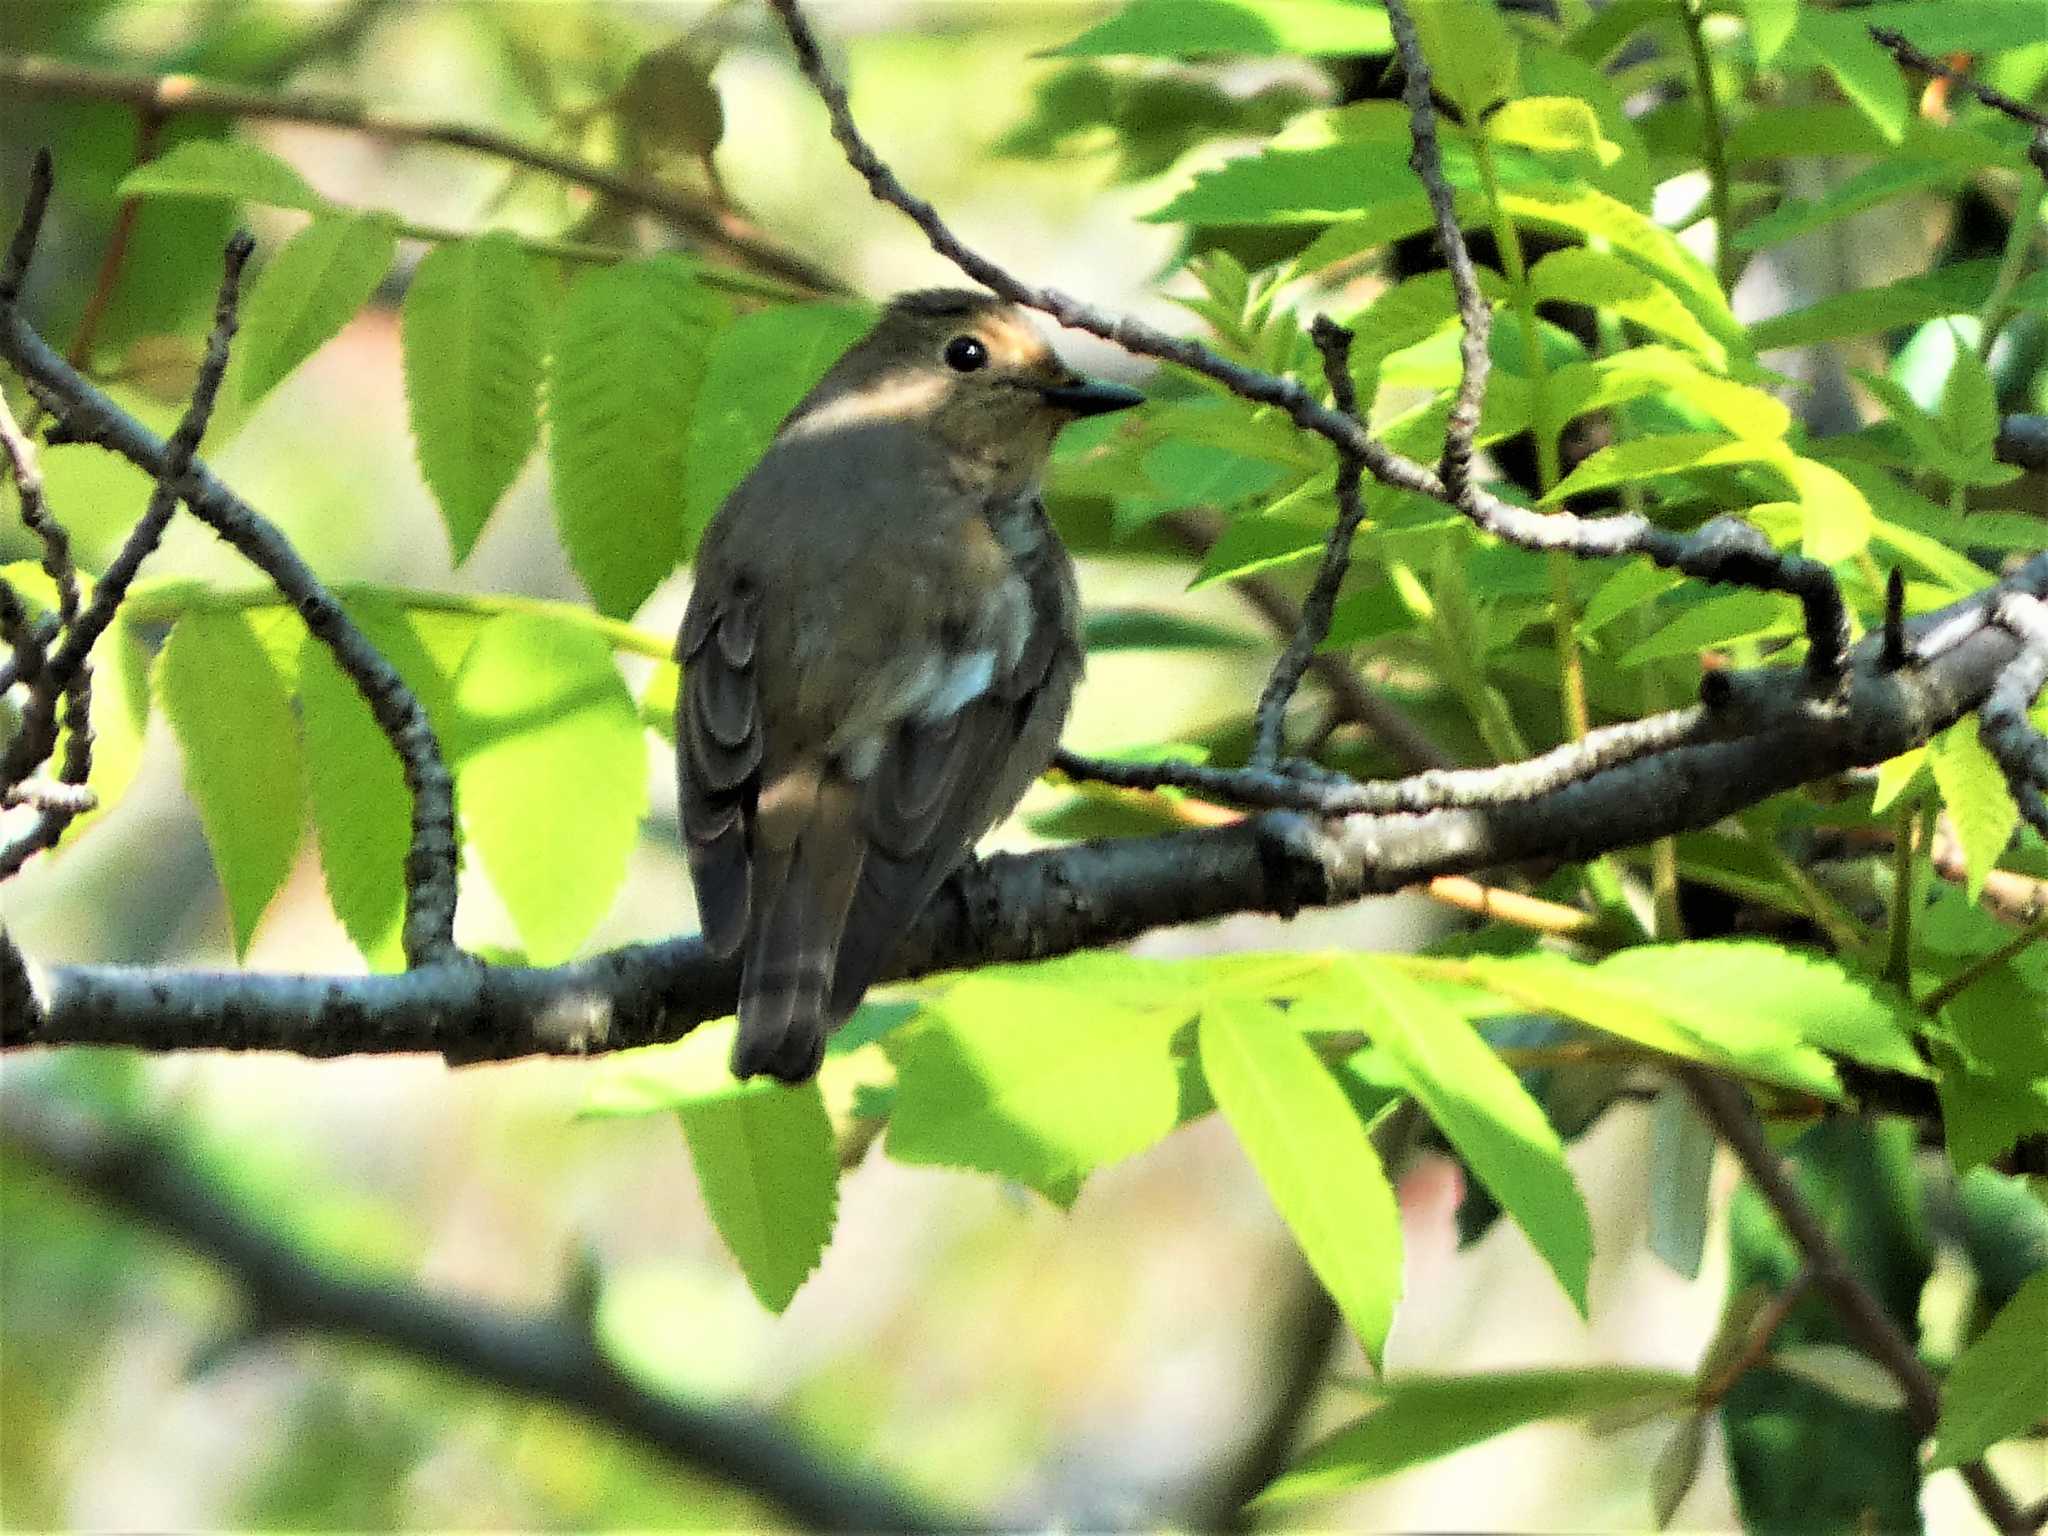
<point>550,1356</point>
<point>1728,1111</point>
<point>1085,895</point>
<point>718,227</point>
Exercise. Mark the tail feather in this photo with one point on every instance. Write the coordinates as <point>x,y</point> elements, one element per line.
<point>803,889</point>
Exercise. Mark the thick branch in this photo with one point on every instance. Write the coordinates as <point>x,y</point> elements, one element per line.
<point>549,1356</point>
<point>718,227</point>
<point>1728,1111</point>
<point>1027,907</point>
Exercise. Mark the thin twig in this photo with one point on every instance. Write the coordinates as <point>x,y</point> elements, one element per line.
<point>1475,311</point>
<point>1353,699</point>
<point>1725,549</point>
<point>1269,728</point>
<point>149,127</point>
<point>1728,1110</point>
<point>1757,1342</point>
<point>1927,64</point>
<point>719,228</point>
<point>548,1356</point>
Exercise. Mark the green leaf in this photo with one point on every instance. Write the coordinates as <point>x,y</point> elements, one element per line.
<point>1553,123</point>
<point>244,767</point>
<point>1841,44</point>
<point>1486,1113</point>
<point>1586,213</point>
<point>1998,1388</point>
<point>548,741</point>
<point>1578,275</point>
<point>223,168</point>
<point>1866,189</point>
<point>758,369</point>
<point>1044,1074</point>
<point>1282,185</point>
<point>629,361</point>
<point>1471,54</point>
<point>1649,1014</point>
<point>1315,1157</point>
<point>1955,289</point>
<point>1895,775</point>
<point>1681,1181</point>
<point>1771,25</point>
<point>1193,29</point>
<point>1973,789</point>
<point>306,293</point>
<point>1673,377</point>
<point>1969,406</point>
<point>1984,1113</point>
<point>769,1173</point>
<point>1423,1417</point>
<point>475,336</point>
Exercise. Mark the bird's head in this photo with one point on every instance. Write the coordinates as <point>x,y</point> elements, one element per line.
<point>970,368</point>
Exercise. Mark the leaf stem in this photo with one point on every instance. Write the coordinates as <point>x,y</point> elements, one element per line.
<point>166,601</point>
<point>2026,219</point>
<point>1715,148</point>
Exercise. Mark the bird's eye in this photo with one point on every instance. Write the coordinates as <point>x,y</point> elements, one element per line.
<point>964,354</point>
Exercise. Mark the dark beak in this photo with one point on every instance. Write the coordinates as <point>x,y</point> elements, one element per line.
<point>1092,397</point>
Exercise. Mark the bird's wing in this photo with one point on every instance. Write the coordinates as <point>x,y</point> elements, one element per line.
<point>941,781</point>
<point>718,754</point>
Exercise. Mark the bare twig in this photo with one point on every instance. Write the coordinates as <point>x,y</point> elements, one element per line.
<point>87,415</point>
<point>1728,1110</point>
<point>1927,64</point>
<point>1269,727</point>
<point>1723,550</point>
<point>149,127</point>
<point>719,228</point>
<point>70,669</point>
<point>1475,313</point>
<point>549,1356</point>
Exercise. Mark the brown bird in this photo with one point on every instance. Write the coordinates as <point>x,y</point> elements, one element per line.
<point>877,657</point>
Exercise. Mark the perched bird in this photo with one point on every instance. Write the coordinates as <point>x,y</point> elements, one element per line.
<point>877,657</point>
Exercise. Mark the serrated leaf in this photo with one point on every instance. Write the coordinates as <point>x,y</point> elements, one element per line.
<point>244,766</point>
<point>475,337</point>
<point>306,293</point>
<point>1969,406</point>
<point>1423,1417</point>
<point>1670,376</point>
<point>1579,275</point>
<point>768,1169</point>
<point>1193,29</point>
<point>1998,1387</point>
<point>550,776</point>
<point>1717,622</point>
<point>1044,1075</point>
<point>1488,1116</point>
<point>1314,1156</point>
<point>758,368</point>
<point>1894,776</point>
<point>223,168</point>
<point>1975,794</point>
<point>629,362</point>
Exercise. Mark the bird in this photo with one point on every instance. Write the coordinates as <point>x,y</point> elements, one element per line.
<point>878,655</point>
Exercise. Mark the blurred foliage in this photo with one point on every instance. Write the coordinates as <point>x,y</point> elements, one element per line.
<point>559,327</point>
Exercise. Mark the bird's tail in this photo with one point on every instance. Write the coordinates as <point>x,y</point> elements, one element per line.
<point>807,865</point>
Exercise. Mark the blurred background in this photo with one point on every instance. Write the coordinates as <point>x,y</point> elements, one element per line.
<point>1135,1361</point>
